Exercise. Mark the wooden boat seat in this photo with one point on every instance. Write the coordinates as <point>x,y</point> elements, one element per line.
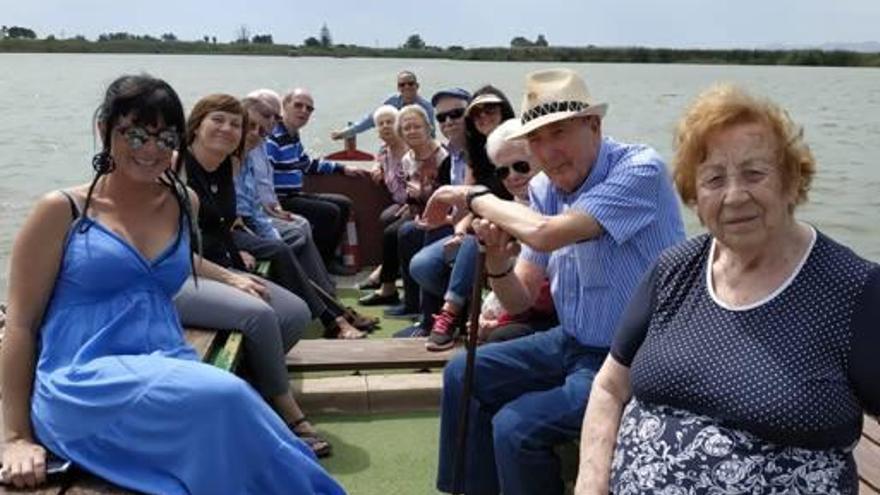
<point>367,354</point>
<point>867,455</point>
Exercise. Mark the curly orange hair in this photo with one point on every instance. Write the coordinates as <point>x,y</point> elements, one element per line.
<point>726,105</point>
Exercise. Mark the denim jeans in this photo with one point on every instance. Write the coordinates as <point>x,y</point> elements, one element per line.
<point>410,239</point>
<point>529,395</point>
<point>443,276</point>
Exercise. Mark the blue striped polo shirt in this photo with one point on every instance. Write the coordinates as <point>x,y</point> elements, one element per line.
<point>630,194</point>
<point>290,162</point>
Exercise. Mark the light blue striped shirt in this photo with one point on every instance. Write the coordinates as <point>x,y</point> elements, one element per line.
<point>630,194</point>
<point>247,202</point>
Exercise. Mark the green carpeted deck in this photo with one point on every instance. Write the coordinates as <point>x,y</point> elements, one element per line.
<point>349,297</point>
<point>383,454</point>
<point>387,454</point>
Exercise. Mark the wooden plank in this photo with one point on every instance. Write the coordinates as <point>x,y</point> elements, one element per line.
<point>200,339</point>
<point>866,490</point>
<point>90,485</point>
<point>336,354</point>
<point>226,357</point>
<point>871,429</point>
<point>867,454</point>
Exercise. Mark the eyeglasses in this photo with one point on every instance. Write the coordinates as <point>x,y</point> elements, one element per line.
<point>518,167</point>
<point>404,84</point>
<point>300,105</point>
<point>454,114</point>
<point>137,137</point>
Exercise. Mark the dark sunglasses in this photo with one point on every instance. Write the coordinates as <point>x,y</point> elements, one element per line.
<point>299,105</point>
<point>137,137</point>
<point>487,108</point>
<point>518,167</point>
<point>404,84</point>
<point>454,114</point>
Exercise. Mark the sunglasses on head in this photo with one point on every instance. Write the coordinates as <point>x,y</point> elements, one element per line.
<point>455,114</point>
<point>300,105</point>
<point>518,167</point>
<point>404,84</point>
<point>137,137</point>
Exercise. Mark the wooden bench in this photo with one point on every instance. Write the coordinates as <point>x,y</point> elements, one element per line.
<point>222,349</point>
<point>367,354</point>
<point>867,455</point>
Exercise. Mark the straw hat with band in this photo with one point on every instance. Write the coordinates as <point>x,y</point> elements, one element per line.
<point>553,95</point>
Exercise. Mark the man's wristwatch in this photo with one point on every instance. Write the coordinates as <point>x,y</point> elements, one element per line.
<point>475,192</point>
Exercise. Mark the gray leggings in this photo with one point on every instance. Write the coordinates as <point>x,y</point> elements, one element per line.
<point>269,329</point>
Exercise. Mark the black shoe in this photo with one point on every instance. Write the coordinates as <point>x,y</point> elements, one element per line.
<point>369,285</point>
<point>412,331</point>
<point>401,312</point>
<point>359,321</point>
<point>337,268</point>
<point>376,299</point>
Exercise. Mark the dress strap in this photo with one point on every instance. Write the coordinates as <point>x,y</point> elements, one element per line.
<point>74,208</point>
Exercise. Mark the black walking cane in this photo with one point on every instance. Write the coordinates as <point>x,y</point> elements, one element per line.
<point>471,346</point>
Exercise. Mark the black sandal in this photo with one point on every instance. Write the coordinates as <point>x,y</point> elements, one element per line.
<point>317,443</point>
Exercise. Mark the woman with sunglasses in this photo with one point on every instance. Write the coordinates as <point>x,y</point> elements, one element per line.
<point>514,171</point>
<point>95,367</point>
<point>445,268</point>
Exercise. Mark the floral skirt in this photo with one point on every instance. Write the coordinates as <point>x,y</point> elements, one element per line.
<point>668,451</point>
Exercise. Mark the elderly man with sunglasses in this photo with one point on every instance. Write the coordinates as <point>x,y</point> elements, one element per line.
<point>449,106</point>
<point>328,213</point>
<point>599,214</point>
<point>407,94</point>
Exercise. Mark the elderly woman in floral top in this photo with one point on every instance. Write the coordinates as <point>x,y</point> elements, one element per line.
<point>419,168</point>
<point>747,354</point>
<point>389,173</point>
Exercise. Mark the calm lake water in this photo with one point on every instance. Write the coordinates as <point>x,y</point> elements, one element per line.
<point>47,102</point>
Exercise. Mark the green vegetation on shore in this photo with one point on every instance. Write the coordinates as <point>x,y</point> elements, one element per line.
<point>533,53</point>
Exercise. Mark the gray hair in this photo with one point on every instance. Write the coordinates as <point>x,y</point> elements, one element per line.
<point>416,109</point>
<point>268,97</point>
<point>501,150</point>
<point>386,110</point>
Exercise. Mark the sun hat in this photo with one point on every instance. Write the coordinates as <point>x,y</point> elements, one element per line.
<point>459,93</point>
<point>553,95</point>
<point>483,99</point>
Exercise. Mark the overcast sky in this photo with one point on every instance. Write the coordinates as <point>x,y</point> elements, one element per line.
<point>668,23</point>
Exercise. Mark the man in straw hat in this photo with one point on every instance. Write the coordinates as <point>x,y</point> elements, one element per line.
<point>600,212</point>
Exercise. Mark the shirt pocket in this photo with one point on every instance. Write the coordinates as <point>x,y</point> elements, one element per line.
<point>589,261</point>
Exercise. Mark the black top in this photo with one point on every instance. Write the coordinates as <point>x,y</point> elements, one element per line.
<point>797,369</point>
<point>216,192</point>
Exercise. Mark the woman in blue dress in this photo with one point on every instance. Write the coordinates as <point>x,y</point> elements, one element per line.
<point>95,367</point>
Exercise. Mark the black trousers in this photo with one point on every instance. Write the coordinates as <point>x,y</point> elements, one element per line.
<point>327,212</point>
<point>285,270</point>
<point>390,256</point>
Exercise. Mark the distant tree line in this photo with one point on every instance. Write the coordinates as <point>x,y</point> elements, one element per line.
<point>522,42</point>
<point>17,32</point>
<point>521,49</point>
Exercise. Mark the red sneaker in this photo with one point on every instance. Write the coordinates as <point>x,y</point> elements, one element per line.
<point>441,337</point>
